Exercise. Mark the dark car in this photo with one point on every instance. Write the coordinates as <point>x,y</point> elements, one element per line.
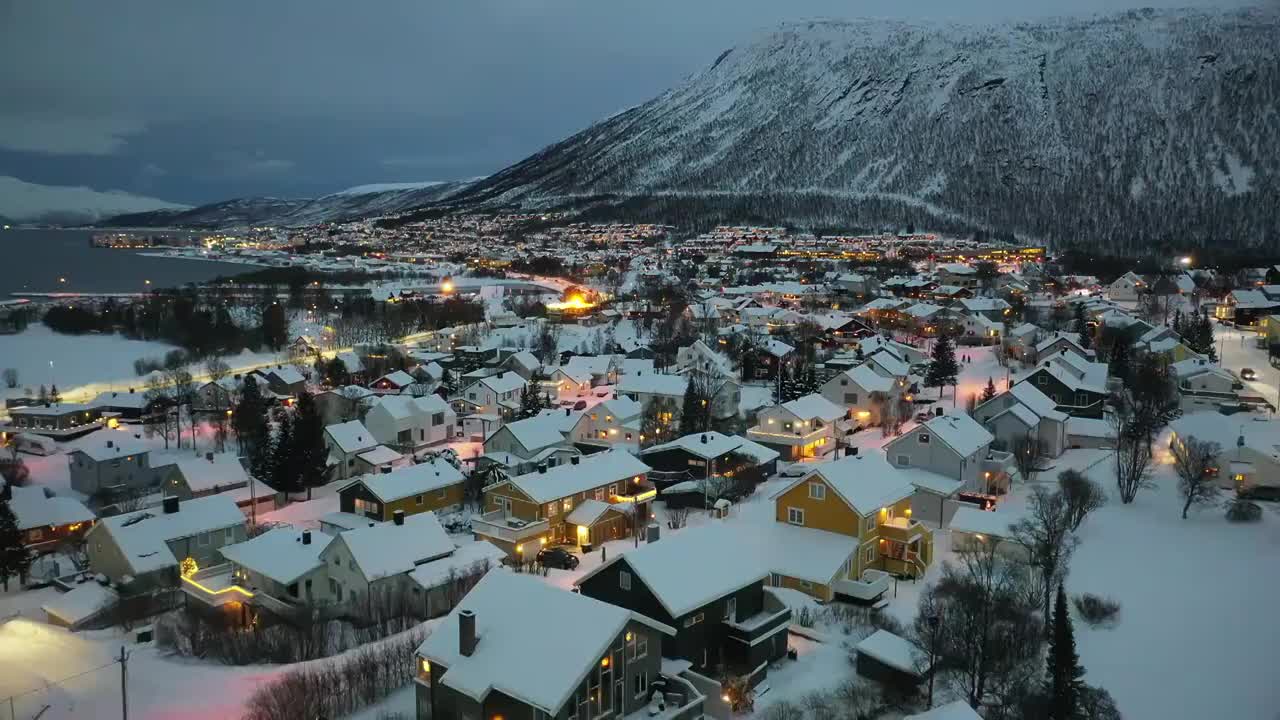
<point>580,405</point>
<point>1248,374</point>
<point>557,557</point>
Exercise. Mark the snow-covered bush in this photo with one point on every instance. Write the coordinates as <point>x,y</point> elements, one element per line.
<point>1243,511</point>
<point>1097,611</point>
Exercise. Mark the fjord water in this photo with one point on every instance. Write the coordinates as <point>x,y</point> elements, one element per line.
<point>37,260</point>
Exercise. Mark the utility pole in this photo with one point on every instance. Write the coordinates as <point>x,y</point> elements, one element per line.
<point>124,684</point>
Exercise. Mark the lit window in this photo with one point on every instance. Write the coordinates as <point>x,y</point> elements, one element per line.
<point>817,491</point>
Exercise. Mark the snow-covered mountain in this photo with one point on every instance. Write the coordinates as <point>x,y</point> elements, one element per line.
<point>357,202</point>
<point>1122,131</point>
<point>22,201</point>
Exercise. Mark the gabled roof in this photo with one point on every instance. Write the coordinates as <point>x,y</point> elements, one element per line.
<point>536,662</point>
<point>503,382</point>
<point>591,471</point>
<point>143,536</point>
<point>813,406</point>
<point>537,432</point>
<point>33,508</point>
<point>959,431</point>
<point>122,444</point>
<point>200,474</point>
<point>388,549</point>
<point>1038,402</point>
<point>870,380</point>
<point>866,482</point>
<point>588,512</point>
<point>888,362</point>
<point>653,384</point>
<point>705,445</point>
<point>279,554</point>
<point>351,436</point>
<point>411,480</point>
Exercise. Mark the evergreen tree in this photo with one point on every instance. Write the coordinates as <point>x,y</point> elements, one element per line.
<point>988,392</point>
<point>943,369</point>
<point>15,557</point>
<point>283,471</point>
<point>1063,682</point>
<point>275,326</point>
<point>1120,366</point>
<point>449,383</point>
<point>1082,327</point>
<point>43,396</point>
<point>249,420</point>
<point>309,454</point>
<point>695,410</point>
<point>55,397</point>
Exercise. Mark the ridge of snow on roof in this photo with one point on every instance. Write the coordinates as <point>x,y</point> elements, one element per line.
<point>866,481</point>
<point>588,512</point>
<point>201,474</point>
<point>351,436</point>
<point>813,406</point>
<point>33,509</point>
<point>653,384</point>
<point>399,378</point>
<point>889,362</point>
<point>503,383</point>
<point>567,479</point>
<point>143,535</point>
<point>117,398</point>
<point>123,444</point>
<point>983,522</point>
<point>958,710</point>
<point>522,648</point>
<point>388,549</point>
<point>894,651</point>
<point>964,434</point>
<point>402,482</point>
<point>279,554</point>
<point>1039,403</point>
<point>536,432</point>
<point>467,558</point>
<point>716,444</point>
<point>714,549</point>
<point>869,379</point>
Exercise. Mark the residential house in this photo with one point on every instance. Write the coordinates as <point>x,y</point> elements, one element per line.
<point>1020,342</point>
<point>799,429</point>
<point>281,565</point>
<point>1247,461</point>
<point>958,274</point>
<point>432,486</point>
<point>644,388</point>
<point>284,380</point>
<point>954,446</point>
<point>1024,411</point>
<point>591,499</point>
<point>112,462</point>
<point>144,549</point>
<point>45,520</point>
<point>699,456</point>
<point>991,308</point>
<point>1245,308</point>
<point>909,354</point>
<point>614,423</point>
<point>371,565</point>
<point>570,383</point>
<point>344,442</point>
<point>208,475</point>
<point>1205,387</point>
<point>725,618</point>
<point>701,358</point>
<point>409,424</point>
<point>504,653</point>
<point>858,284</point>
<point>344,404</point>
<point>602,369</point>
<point>393,383</point>
<point>1058,342</point>
<point>1127,287</point>
<point>1078,386</point>
<point>863,392</point>
<point>128,406</point>
<point>496,397</point>
<point>523,364</point>
<point>61,421</point>
<point>521,446</point>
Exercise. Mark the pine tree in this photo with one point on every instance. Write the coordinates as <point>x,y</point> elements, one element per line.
<point>1082,327</point>
<point>282,470</point>
<point>1120,362</point>
<point>15,557</point>
<point>1205,336</point>
<point>988,392</point>
<point>309,454</point>
<point>55,397</point>
<point>1063,676</point>
<point>943,369</point>
<point>43,396</point>
<point>250,423</point>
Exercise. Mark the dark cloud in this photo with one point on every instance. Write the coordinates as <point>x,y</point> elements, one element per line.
<point>201,101</point>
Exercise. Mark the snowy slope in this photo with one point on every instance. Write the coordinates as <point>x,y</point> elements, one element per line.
<point>22,201</point>
<point>1119,130</point>
<point>357,202</point>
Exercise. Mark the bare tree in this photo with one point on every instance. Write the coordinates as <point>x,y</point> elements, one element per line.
<point>1028,454</point>
<point>1196,462</point>
<point>216,368</point>
<point>1081,494</point>
<point>677,517</point>
<point>11,378</point>
<point>1132,458</point>
<point>160,419</point>
<point>1045,532</point>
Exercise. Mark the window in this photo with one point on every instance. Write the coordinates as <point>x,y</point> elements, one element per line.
<point>365,507</point>
<point>203,538</point>
<point>624,580</point>
<point>628,436</point>
<point>904,460</point>
<point>843,382</point>
<point>351,462</point>
<point>869,555</point>
<point>552,509</point>
<point>599,494</point>
<point>1042,379</point>
<point>923,438</point>
<point>641,684</point>
<point>1081,399</point>
<point>694,462</point>
<point>441,493</point>
<point>731,609</point>
<point>693,620</point>
<point>228,535</point>
<point>437,419</point>
<point>795,516</point>
<point>36,534</point>
<point>567,505</point>
<point>293,589</point>
<point>613,489</point>
<point>417,500</point>
<point>471,396</point>
<point>851,398</point>
<point>817,491</point>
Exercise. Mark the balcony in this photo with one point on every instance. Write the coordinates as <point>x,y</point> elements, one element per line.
<point>215,586</point>
<point>904,530</point>
<point>507,528</point>
<point>775,614</point>
<point>761,433</point>
<point>874,583</point>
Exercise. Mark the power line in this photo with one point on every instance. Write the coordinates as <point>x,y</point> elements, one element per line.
<point>63,680</point>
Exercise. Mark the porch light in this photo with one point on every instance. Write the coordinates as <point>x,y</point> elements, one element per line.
<point>604,662</point>
<point>426,665</point>
<point>980,537</point>
<point>908,511</point>
<point>520,548</point>
<point>628,637</point>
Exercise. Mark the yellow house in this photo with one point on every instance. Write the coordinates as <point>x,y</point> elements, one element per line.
<point>864,498</point>
<point>585,502</point>
<point>429,487</point>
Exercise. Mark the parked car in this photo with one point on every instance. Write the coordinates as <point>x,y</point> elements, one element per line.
<point>580,405</point>
<point>1248,374</point>
<point>794,470</point>
<point>557,557</point>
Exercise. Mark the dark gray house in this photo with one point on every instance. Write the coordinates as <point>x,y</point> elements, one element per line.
<point>702,584</point>
<point>519,649</point>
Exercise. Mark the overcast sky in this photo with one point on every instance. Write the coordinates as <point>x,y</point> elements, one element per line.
<point>201,101</point>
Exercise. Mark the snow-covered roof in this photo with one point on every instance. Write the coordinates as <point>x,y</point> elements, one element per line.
<point>1090,427</point>
<point>1039,403</point>
<point>467,558</point>
<point>398,378</point>
<point>346,521</point>
<point>504,382</point>
<point>81,602</point>
<point>143,536</point>
<point>956,269</point>
<point>653,384</point>
<point>1069,337</point>
<point>705,445</point>
<point>813,406</point>
<point>714,549</point>
<point>387,548</point>
<point>1025,414</point>
<point>889,363</point>
<point>777,348</point>
<point>594,365</point>
<point>961,432</point>
<point>591,471</point>
<point>287,374</point>
<point>279,553</point>
<point>351,436</point>
<point>33,508</point>
<point>923,310</point>
<point>537,662</point>
<point>110,445</point>
<point>983,304</point>
<point>202,475</point>
<point>894,651</point>
<point>537,432</point>
<point>866,481</point>
<point>588,512</point>
<point>380,455</point>
<point>410,480</point>
<point>870,380</point>
<point>116,398</point>
<point>758,452</point>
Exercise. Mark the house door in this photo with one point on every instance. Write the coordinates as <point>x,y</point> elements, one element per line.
<point>617,698</point>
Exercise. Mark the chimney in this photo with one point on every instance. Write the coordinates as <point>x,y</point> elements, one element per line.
<point>306,537</point>
<point>704,438</point>
<point>937,412</point>
<point>542,468</point>
<point>653,532</point>
<point>851,452</point>
<point>130,391</point>
<point>398,517</point>
<point>568,411</point>
<point>574,460</point>
<point>466,632</point>
<point>171,505</point>
<point>208,456</point>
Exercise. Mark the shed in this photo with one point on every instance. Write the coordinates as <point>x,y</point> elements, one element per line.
<point>889,659</point>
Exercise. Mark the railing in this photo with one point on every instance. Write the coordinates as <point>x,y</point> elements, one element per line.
<point>782,438</point>
<point>904,532</point>
<point>689,699</point>
<point>873,584</point>
<point>497,524</point>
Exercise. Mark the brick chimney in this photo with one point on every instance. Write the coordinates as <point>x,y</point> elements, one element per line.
<point>398,517</point>
<point>466,632</point>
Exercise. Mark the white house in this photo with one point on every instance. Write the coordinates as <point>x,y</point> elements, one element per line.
<point>521,446</point>
<point>344,442</point>
<point>1127,287</point>
<point>1025,411</point>
<point>409,424</point>
<point>799,429</point>
<point>863,392</point>
<point>496,395</point>
<point>613,423</point>
<point>955,446</point>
